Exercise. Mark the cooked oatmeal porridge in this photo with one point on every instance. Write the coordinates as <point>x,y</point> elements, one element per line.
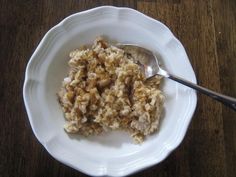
<point>106,90</point>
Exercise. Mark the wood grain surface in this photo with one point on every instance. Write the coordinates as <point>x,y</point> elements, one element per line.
<point>207,29</point>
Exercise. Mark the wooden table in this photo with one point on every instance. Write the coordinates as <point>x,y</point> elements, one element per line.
<point>207,29</point>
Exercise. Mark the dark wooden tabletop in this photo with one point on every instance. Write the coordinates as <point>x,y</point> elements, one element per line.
<point>207,29</point>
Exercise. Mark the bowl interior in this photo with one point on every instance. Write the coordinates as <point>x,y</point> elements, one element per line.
<point>114,143</point>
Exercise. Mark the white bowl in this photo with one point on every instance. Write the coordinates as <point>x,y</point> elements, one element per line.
<point>113,154</point>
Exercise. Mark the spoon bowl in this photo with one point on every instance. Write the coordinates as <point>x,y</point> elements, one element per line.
<point>146,59</point>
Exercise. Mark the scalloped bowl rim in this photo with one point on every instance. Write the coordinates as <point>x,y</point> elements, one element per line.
<point>106,170</point>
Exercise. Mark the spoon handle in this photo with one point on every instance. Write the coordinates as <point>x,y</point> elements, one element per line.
<point>229,101</point>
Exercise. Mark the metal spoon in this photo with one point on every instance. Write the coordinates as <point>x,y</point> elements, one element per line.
<point>150,65</point>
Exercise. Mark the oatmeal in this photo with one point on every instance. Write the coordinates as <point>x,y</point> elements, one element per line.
<point>106,90</point>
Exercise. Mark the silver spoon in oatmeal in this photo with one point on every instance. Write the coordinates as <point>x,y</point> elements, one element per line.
<point>150,66</point>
